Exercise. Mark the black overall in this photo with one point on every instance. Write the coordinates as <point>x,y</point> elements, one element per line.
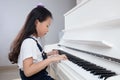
<point>42,75</point>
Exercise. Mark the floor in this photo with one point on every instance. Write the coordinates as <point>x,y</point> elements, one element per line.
<point>12,73</point>
<point>9,73</point>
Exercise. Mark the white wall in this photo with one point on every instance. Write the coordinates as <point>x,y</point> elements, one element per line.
<point>12,17</point>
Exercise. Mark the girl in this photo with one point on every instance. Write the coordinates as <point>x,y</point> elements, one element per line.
<point>26,49</point>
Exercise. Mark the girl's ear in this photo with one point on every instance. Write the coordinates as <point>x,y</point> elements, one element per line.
<point>36,21</point>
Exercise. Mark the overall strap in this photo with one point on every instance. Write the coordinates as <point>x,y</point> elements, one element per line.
<point>44,55</point>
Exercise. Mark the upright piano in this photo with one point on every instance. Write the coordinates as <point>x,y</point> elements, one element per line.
<point>91,41</point>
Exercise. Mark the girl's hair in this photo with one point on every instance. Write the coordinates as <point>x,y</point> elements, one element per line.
<point>39,13</point>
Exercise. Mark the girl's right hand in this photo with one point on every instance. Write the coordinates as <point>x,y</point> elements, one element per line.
<point>58,58</point>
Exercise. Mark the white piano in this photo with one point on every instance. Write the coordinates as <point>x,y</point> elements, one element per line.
<point>91,42</point>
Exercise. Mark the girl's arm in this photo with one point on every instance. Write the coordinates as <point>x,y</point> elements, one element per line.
<point>31,68</point>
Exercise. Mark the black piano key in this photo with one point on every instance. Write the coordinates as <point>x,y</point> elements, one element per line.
<point>106,75</point>
<point>103,72</point>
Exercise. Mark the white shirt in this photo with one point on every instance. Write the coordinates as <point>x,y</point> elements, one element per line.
<point>29,49</point>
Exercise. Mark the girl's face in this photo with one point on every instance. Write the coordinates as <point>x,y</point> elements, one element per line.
<point>42,27</point>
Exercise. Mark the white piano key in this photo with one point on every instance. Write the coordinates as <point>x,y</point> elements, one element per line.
<point>80,71</point>
<point>117,77</point>
<point>64,72</point>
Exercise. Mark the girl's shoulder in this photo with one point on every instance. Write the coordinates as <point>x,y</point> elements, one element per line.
<point>28,41</point>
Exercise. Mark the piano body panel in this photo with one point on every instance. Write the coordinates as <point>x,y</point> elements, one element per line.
<point>91,22</point>
<point>90,12</point>
<point>91,33</point>
<point>110,35</point>
<point>103,39</point>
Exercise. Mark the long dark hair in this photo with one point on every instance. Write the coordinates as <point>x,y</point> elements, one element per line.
<point>39,13</point>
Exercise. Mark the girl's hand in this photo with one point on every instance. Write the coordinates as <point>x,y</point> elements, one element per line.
<point>58,58</point>
<point>53,52</point>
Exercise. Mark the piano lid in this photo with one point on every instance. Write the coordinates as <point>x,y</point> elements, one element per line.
<point>103,44</point>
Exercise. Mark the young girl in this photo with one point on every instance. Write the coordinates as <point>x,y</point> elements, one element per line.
<point>26,49</point>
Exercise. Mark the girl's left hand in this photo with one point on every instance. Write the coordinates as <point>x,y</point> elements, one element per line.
<point>53,52</point>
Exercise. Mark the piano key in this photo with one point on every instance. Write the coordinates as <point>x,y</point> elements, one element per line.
<point>101,72</point>
<point>117,77</point>
<point>79,70</point>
